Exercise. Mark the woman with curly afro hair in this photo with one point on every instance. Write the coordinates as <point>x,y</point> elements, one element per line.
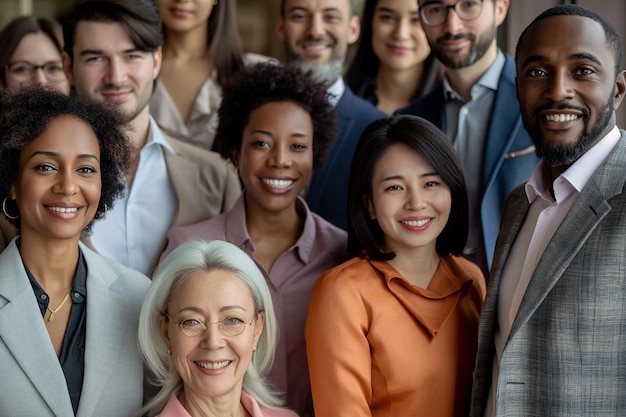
<point>275,124</point>
<point>68,321</point>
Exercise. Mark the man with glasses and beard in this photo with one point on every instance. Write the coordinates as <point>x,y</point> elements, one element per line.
<point>552,330</point>
<point>476,107</point>
<point>316,34</point>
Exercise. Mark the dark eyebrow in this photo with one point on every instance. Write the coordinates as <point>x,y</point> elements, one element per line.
<point>56,155</point>
<point>401,177</point>
<point>268,133</point>
<point>101,52</point>
<point>581,55</point>
<point>304,9</point>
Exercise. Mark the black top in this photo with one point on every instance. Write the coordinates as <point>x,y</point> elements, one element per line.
<point>72,358</point>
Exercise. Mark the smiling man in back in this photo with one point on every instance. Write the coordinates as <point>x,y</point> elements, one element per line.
<point>316,34</point>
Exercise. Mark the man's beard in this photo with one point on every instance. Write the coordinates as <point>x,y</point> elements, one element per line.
<point>325,73</point>
<point>566,154</point>
<point>477,50</point>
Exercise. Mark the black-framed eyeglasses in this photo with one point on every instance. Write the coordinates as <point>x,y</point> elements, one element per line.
<point>436,13</point>
<point>25,71</point>
<point>229,327</point>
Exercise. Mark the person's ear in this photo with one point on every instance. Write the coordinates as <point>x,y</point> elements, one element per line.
<point>163,326</point>
<point>367,202</point>
<point>258,329</point>
<point>67,67</point>
<point>501,9</point>
<point>280,27</point>
<point>355,29</point>
<point>620,89</point>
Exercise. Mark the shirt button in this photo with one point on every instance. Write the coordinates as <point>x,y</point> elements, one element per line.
<point>133,247</point>
<point>43,296</point>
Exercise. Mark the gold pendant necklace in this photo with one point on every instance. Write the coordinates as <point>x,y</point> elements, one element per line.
<point>52,312</point>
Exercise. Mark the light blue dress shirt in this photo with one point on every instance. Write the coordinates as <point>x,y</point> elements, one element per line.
<point>136,226</point>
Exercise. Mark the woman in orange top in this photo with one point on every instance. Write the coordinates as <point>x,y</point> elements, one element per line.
<point>392,332</point>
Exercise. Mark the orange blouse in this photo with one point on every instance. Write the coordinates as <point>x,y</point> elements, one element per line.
<point>378,346</point>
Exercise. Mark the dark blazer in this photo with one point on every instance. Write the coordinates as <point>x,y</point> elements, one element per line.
<point>328,191</point>
<point>566,353</point>
<point>31,379</point>
<point>509,152</point>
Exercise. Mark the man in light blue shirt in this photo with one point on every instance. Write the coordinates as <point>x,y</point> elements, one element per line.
<point>476,107</point>
<point>113,54</point>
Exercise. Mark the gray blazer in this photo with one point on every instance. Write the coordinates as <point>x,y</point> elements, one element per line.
<point>566,353</point>
<point>31,379</point>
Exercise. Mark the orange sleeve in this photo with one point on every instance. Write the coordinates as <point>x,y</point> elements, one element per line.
<point>337,347</point>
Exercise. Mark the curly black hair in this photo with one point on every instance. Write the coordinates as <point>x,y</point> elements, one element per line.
<point>25,115</point>
<point>256,85</point>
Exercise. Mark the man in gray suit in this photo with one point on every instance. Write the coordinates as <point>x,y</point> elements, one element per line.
<point>552,337</point>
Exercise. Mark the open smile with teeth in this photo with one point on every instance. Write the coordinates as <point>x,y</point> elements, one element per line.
<point>213,365</point>
<point>416,223</point>
<point>64,209</point>
<point>281,184</point>
<point>561,117</point>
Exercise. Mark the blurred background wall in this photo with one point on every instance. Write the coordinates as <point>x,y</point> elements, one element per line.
<point>257,21</point>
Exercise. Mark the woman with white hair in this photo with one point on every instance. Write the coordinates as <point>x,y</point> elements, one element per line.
<point>208,332</point>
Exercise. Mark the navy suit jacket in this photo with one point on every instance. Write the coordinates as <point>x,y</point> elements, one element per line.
<point>509,152</point>
<point>328,191</point>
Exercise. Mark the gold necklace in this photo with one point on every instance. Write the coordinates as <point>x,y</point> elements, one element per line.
<point>52,312</point>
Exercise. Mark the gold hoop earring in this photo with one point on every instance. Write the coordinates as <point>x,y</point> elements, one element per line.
<point>4,210</point>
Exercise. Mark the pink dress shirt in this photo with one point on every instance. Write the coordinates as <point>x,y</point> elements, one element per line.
<point>174,408</point>
<point>321,247</point>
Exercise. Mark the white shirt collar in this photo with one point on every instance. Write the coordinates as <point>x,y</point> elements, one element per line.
<point>335,91</point>
<point>577,175</point>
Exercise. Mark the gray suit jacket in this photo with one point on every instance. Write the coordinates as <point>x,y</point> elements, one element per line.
<point>32,382</point>
<point>566,353</point>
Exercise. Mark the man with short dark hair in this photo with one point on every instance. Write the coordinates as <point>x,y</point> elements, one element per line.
<point>552,329</point>
<point>113,54</point>
<point>476,107</point>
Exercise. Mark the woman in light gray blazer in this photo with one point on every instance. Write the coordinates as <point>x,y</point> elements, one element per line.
<point>68,316</point>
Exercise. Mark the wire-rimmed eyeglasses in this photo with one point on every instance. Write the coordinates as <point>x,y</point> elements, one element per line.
<point>436,13</point>
<point>25,71</point>
<point>231,326</point>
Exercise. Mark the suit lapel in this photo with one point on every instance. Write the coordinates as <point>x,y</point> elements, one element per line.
<point>505,121</point>
<point>517,209</point>
<point>25,335</point>
<point>184,177</point>
<point>105,318</point>
<point>588,210</point>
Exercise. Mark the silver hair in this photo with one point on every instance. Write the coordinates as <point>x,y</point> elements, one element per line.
<point>184,261</point>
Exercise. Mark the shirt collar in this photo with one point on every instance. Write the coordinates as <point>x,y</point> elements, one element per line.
<point>489,79</point>
<point>335,91</point>
<point>576,176</point>
<point>237,232</point>
<point>155,136</point>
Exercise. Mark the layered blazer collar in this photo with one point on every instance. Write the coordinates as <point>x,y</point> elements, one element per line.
<point>24,332</point>
<point>591,206</point>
